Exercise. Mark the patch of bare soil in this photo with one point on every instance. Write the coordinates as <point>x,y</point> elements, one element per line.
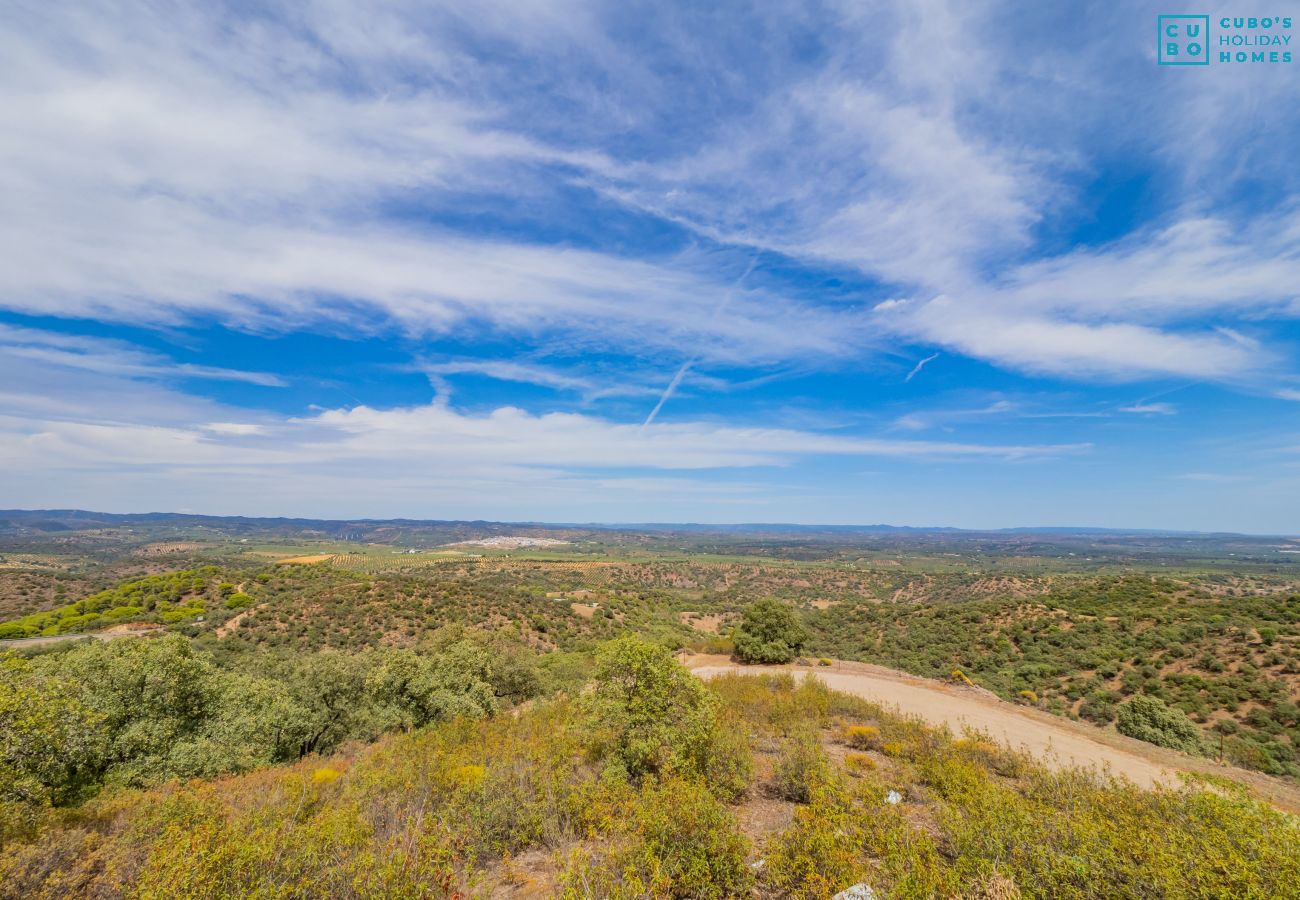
<point>761,815</point>
<point>529,874</point>
<point>128,628</point>
<point>700,622</point>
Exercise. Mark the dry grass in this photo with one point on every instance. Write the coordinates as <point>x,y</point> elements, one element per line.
<point>305,560</point>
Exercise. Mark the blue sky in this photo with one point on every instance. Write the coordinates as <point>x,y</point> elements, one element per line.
<point>926,263</point>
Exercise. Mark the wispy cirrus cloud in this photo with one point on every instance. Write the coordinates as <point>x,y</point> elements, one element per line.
<point>161,180</point>
<point>54,350</point>
<point>926,419</point>
<point>590,386</point>
<point>920,364</point>
<point>1150,409</point>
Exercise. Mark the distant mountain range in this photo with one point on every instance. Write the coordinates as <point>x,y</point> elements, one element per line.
<point>56,520</point>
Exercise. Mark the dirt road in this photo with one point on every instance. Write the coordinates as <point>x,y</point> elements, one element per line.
<point>1058,742</point>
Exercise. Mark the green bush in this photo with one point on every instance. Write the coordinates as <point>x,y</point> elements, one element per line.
<point>451,809</point>
<point>647,714</point>
<point>1152,720</point>
<point>729,763</point>
<point>802,767</point>
<point>819,854</point>
<point>48,739</point>
<point>238,601</point>
<point>682,843</point>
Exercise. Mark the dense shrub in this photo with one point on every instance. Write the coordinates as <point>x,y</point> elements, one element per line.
<point>802,768</point>
<point>729,763</point>
<point>1152,720</point>
<point>238,601</point>
<point>48,739</point>
<point>647,714</point>
<point>422,689</point>
<point>170,598</point>
<point>139,711</point>
<point>861,737</point>
<point>681,843</point>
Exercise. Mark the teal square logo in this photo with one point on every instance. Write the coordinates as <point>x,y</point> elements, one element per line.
<point>1183,40</point>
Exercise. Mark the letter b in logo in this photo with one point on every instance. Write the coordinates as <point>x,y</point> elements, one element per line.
<point>1183,40</point>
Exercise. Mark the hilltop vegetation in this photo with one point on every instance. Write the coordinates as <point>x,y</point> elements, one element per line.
<point>420,727</point>
<point>1222,650</point>
<point>138,712</point>
<point>1225,656</point>
<point>657,785</point>
<point>165,599</point>
<point>24,591</point>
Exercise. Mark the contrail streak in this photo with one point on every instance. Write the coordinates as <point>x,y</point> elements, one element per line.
<point>668,392</point>
<point>919,366</point>
<point>681,373</point>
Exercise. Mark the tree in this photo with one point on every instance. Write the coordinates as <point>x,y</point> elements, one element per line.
<point>150,693</point>
<point>1152,720</point>
<point>770,632</point>
<point>254,722</point>
<point>647,713</point>
<point>331,686</point>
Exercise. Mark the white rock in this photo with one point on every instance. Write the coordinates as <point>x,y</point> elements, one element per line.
<point>857,892</point>
<point>893,798</point>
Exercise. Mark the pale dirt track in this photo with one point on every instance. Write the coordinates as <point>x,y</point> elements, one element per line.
<point>1056,741</point>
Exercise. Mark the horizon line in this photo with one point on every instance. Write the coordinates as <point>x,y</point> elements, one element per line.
<point>612,525</point>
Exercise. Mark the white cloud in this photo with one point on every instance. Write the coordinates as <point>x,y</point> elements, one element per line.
<point>591,387</point>
<point>55,350</point>
<point>1150,409</point>
<point>1192,267</point>
<point>151,179</point>
<point>235,428</point>
<point>901,189</point>
<point>1053,346</point>
<point>935,176</point>
<point>922,420</point>
<point>173,261</point>
<point>215,459</point>
<point>276,169</point>
<point>513,436</point>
